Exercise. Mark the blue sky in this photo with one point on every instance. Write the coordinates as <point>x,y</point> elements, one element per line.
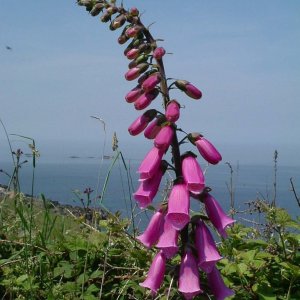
<point>66,66</point>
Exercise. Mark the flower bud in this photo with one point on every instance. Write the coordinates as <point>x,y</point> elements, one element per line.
<point>145,47</point>
<point>133,31</point>
<point>173,111</point>
<point>146,75</point>
<point>153,128</point>
<point>118,22</point>
<point>140,59</point>
<point>133,53</point>
<point>134,73</point>
<point>112,10</point>
<point>134,44</point>
<point>84,2</point>
<point>151,82</point>
<point>97,9</point>
<point>134,11</point>
<point>122,39</point>
<point>105,17</point>
<point>134,94</point>
<point>164,137</point>
<point>141,122</point>
<point>145,99</point>
<point>159,52</point>
<point>188,88</point>
<point>207,150</point>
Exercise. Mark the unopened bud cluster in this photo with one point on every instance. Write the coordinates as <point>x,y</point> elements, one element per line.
<point>171,229</point>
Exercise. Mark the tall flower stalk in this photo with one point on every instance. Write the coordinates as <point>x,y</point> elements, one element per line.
<point>172,229</point>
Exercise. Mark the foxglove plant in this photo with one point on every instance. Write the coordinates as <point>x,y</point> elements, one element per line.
<point>171,229</point>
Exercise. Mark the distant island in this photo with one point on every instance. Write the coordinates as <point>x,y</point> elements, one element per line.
<point>91,157</point>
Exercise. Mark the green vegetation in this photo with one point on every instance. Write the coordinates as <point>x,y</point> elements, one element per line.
<point>47,255</point>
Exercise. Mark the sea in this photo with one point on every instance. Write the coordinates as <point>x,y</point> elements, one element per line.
<point>114,180</point>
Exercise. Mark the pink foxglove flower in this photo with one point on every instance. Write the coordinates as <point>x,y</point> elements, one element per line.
<point>208,253</point>
<point>173,111</point>
<point>152,130</point>
<point>168,240</point>
<point>192,174</point>
<point>151,82</point>
<point>178,206</point>
<point>189,284</point>
<point>150,163</point>
<point>134,73</point>
<point>159,52</point>
<point>189,89</point>
<point>145,99</point>
<point>156,273</point>
<point>216,215</point>
<point>148,188</point>
<point>207,150</point>
<point>142,121</point>
<point>134,94</point>
<point>152,232</point>
<point>217,285</point>
<point>164,138</point>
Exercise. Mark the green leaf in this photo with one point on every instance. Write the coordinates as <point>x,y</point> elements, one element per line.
<point>264,291</point>
<point>21,279</point>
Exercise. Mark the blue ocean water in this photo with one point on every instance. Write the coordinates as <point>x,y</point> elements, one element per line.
<point>58,181</point>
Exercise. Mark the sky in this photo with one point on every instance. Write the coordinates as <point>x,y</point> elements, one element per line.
<point>66,66</point>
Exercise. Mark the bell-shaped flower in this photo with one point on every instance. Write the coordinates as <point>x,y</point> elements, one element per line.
<point>153,230</point>
<point>189,284</point>
<point>142,121</point>
<point>207,150</point>
<point>208,253</point>
<point>179,206</point>
<point>216,215</point>
<point>151,82</point>
<point>217,285</point>
<point>188,88</point>
<point>145,99</point>
<point>192,173</point>
<point>156,273</point>
<point>159,52</point>
<point>134,94</point>
<point>134,73</point>
<point>147,189</point>
<point>164,138</point>
<point>173,111</point>
<point>168,240</point>
<point>150,163</point>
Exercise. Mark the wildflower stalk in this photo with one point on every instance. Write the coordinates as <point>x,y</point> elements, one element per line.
<point>171,218</point>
